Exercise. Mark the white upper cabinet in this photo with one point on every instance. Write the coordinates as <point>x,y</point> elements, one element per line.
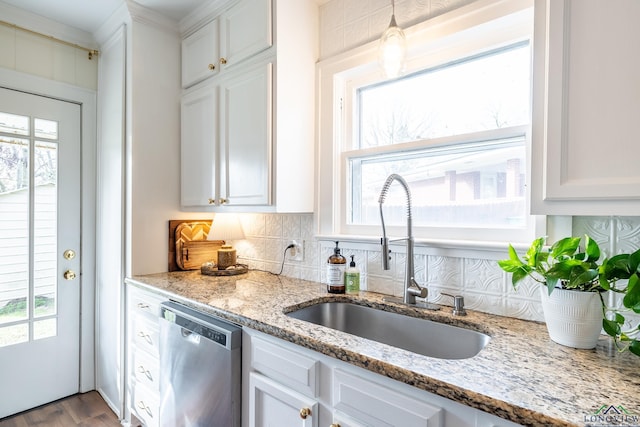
<point>237,34</point>
<point>585,107</point>
<point>248,131</point>
<point>246,30</point>
<point>201,54</point>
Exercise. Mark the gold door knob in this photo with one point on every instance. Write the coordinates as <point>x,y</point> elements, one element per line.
<point>223,60</point>
<point>69,254</point>
<point>212,67</point>
<point>69,275</point>
<point>335,425</point>
<point>224,201</point>
<point>212,201</point>
<point>304,413</point>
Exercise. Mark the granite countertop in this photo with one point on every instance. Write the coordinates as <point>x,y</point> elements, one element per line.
<point>521,375</point>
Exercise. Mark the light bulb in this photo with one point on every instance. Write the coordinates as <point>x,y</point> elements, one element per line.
<point>392,50</point>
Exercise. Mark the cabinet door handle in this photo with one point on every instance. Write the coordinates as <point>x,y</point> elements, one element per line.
<point>335,425</point>
<point>304,413</point>
<point>146,372</point>
<point>146,337</point>
<point>212,201</point>
<point>144,407</point>
<point>212,67</point>
<point>223,60</point>
<point>224,201</point>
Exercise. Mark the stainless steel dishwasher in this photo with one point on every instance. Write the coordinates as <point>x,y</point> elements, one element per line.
<point>200,369</point>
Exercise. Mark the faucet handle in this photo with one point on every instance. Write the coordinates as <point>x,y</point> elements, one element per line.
<point>384,241</point>
<point>458,304</point>
<point>417,290</point>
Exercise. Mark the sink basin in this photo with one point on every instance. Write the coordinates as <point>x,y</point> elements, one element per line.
<point>417,335</point>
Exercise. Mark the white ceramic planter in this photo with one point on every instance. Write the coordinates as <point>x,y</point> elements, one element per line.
<point>573,318</point>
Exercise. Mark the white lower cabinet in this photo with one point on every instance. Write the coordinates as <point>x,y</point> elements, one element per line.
<point>288,385</point>
<point>143,353</point>
<point>274,404</point>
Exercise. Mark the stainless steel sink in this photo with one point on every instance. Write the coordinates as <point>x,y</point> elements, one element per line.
<point>417,335</point>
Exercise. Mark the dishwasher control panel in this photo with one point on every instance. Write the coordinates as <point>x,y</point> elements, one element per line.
<point>192,323</point>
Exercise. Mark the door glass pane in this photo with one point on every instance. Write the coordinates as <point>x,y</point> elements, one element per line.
<point>14,229</point>
<point>44,229</point>
<point>15,334</point>
<point>44,328</point>
<point>17,125</point>
<point>46,129</point>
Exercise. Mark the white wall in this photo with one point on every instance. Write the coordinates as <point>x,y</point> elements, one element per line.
<point>27,53</point>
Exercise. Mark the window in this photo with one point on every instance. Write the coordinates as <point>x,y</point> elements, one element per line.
<point>475,179</point>
<point>456,128</point>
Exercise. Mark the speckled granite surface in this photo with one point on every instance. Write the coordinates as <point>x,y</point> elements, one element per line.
<point>521,375</point>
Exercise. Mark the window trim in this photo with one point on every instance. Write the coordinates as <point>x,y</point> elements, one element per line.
<point>489,24</point>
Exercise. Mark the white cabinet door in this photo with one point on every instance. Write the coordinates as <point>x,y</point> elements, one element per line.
<point>201,54</point>
<point>246,122</point>
<point>585,108</point>
<point>198,160</point>
<point>272,404</point>
<point>246,30</point>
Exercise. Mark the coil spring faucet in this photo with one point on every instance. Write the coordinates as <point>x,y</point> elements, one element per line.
<point>411,287</point>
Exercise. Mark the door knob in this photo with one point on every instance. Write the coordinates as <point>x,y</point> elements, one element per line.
<point>304,413</point>
<point>69,275</point>
<point>69,254</point>
<point>223,60</point>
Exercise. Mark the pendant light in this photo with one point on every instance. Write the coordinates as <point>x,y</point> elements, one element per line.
<point>393,48</point>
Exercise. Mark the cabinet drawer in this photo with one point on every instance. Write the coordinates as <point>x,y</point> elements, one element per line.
<point>146,405</point>
<point>146,370</point>
<point>145,334</point>
<point>288,367</point>
<point>144,304</point>
<point>373,404</point>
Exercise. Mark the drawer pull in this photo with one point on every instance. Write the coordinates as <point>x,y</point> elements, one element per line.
<point>335,425</point>
<point>146,337</point>
<point>146,372</point>
<point>212,67</point>
<point>144,407</point>
<point>304,413</point>
<point>143,306</point>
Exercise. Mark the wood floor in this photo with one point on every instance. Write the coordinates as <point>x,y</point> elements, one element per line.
<point>86,410</point>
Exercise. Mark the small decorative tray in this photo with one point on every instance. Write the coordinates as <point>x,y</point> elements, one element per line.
<point>211,269</point>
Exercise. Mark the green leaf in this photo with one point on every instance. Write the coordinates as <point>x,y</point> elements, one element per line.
<point>610,327</point>
<point>510,265</point>
<point>518,275</point>
<point>632,296</point>
<point>513,255</point>
<point>619,319</point>
<point>551,284</point>
<point>634,261</point>
<point>565,247</point>
<point>592,249</point>
<point>634,347</point>
<point>533,254</point>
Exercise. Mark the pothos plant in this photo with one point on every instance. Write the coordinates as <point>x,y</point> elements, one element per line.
<point>566,265</point>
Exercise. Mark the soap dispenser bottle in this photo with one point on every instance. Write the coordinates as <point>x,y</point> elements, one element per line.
<point>336,265</point>
<point>352,278</point>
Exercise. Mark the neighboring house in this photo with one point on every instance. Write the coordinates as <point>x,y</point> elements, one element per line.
<point>14,243</point>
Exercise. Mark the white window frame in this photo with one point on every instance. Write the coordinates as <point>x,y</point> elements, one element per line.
<point>481,26</point>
